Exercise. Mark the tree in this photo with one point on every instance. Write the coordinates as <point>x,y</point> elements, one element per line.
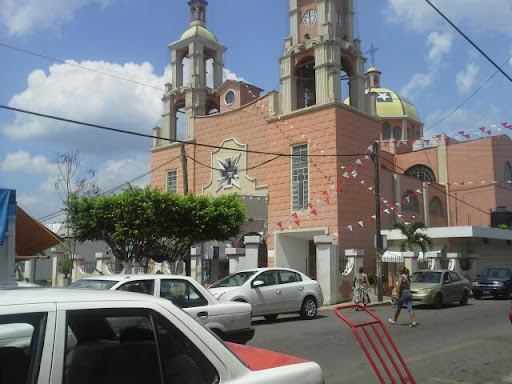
<point>143,223</point>
<point>71,182</point>
<point>414,236</point>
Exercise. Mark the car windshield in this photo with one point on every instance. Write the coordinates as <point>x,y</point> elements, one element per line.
<point>496,272</point>
<point>234,280</point>
<point>93,284</point>
<point>426,277</point>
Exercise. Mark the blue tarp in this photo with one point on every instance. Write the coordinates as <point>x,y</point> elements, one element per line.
<point>7,208</point>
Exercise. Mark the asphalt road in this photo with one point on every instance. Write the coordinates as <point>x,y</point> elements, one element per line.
<point>468,344</point>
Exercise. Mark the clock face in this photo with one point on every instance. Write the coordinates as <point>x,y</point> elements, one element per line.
<point>309,18</point>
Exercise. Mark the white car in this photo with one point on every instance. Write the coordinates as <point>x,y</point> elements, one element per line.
<point>230,322</point>
<point>271,291</point>
<point>87,336</point>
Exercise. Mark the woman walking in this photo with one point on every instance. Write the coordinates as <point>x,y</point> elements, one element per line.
<point>361,285</point>
<point>403,295</point>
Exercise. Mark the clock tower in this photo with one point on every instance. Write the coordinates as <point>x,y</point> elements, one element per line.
<point>197,47</point>
<point>320,53</point>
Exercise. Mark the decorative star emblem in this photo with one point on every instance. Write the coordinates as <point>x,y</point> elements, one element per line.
<point>383,96</point>
<point>228,172</point>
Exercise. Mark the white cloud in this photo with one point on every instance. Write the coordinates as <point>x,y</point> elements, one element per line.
<point>23,162</point>
<point>74,93</point>
<point>470,15</point>
<point>440,44</point>
<point>466,79</point>
<point>25,16</point>
<point>113,173</point>
<point>418,82</point>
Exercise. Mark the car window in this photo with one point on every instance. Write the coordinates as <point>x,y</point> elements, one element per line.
<point>234,280</point>
<point>426,277</point>
<point>131,346</point>
<point>268,277</point>
<point>446,278</point>
<point>182,293</point>
<point>139,286</point>
<point>454,276</point>
<point>21,346</point>
<point>288,277</point>
<point>93,284</point>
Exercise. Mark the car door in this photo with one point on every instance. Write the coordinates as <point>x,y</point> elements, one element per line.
<point>183,294</point>
<point>292,290</point>
<point>266,298</point>
<point>26,343</point>
<point>448,288</point>
<point>458,286</point>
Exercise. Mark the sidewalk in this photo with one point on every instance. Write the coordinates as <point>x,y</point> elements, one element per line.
<point>386,300</point>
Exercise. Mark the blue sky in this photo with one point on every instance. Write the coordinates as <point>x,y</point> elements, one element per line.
<point>421,57</point>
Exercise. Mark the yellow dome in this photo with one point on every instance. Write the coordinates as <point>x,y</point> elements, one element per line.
<point>198,30</point>
<point>391,104</point>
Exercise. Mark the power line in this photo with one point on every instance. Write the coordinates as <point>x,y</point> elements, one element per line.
<point>470,41</point>
<point>103,127</point>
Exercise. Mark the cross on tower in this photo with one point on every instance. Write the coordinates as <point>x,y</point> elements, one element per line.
<point>372,51</point>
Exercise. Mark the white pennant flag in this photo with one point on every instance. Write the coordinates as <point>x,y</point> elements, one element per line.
<point>363,181</point>
<point>385,201</point>
<point>335,233</point>
<point>349,227</point>
<point>370,188</point>
<point>359,162</point>
<point>374,217</point>
<point>354,173</point>
<point>345,175</point>
<point>360,223</point>
<point>406,223</point>
<point>418,190</point>
<point>387,211</point>
<point>400,216</point>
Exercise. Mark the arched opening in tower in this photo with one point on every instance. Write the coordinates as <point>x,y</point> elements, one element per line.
<point>345,77</point>
<point>306,84</point>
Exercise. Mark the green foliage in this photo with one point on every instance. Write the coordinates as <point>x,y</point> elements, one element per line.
<point>503,226</point>
<point>147,223</point>
<point>65,267</point>
<point>414,236</point>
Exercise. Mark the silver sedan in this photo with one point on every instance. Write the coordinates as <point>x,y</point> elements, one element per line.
<point>272,291</point>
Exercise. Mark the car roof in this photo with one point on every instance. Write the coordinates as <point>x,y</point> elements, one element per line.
<point>434,270</point>
<point>124,277</point>
<point>268,269</point>
<point>22,296</point>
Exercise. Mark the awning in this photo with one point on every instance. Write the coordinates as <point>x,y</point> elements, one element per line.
<point>392,257</point>
<point>31,236</point>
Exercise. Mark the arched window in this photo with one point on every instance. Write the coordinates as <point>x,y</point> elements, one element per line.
<point>386,131</point>
<point>410,202</point>
<point>305,77</point>
<point>508,173</point>
<point>436,208</point>
<point>397,133</point>
<point>421,172</point>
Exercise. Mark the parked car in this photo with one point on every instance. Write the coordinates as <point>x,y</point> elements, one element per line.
<point>496,281</point>
<point>271,291</point>
<point>89,336</point>
<point>438,286</point>
<point>231,321</point>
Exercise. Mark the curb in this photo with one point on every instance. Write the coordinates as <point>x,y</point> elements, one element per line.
<point>332,306</point>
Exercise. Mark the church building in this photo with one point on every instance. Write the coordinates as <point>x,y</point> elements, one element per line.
<point>302,159</point>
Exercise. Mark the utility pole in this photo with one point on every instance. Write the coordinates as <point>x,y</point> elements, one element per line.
<point>188,269</point>
<point>378,236</point>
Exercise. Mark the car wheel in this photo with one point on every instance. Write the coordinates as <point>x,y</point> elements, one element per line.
<point>438,301</point>
<point>270,317</point>
<point>309,309</point>
<point>464,299</point>
<point>477,296</point>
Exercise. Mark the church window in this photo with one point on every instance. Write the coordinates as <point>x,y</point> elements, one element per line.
<point>300,176</point>
<point>508,173</point>
<point>172,181</point>
<point>386,131</point>
<point>422,173</point>
<point>410,202</point>
<point>436,207</point>
<point>397,133</point>
<point>229,98</point>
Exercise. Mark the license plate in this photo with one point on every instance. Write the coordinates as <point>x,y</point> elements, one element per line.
<point>486,292</point>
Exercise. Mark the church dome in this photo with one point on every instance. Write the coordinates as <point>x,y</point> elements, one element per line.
<point>388,102</point>
<point>199,30</point>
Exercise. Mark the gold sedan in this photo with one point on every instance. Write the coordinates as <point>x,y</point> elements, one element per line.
<point>438,286</point>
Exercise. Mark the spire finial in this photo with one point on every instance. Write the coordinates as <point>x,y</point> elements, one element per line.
<point>372,51</point>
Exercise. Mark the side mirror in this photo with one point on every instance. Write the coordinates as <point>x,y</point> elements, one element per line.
<point>257,283</point>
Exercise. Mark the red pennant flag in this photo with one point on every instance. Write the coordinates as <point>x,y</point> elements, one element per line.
<point>340,188</point>
<point>481,129</point>
<point>280,225</point>
<point>326,193</point>
<point>488,132</point>
<point>294,215</point>
<point>467,136</point>
<point>297,222</point>
<point>310,205</point>
<point>313,212</point>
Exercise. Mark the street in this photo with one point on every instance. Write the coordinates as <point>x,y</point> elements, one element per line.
<point>469,344</point>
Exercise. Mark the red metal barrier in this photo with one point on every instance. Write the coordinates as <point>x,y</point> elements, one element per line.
<point>391,354</point>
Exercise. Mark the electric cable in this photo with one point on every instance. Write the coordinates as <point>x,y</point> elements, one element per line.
<point>470,41</point>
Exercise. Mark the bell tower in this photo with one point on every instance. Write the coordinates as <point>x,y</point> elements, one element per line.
<point>320,53</point>
<point>199,48</point>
